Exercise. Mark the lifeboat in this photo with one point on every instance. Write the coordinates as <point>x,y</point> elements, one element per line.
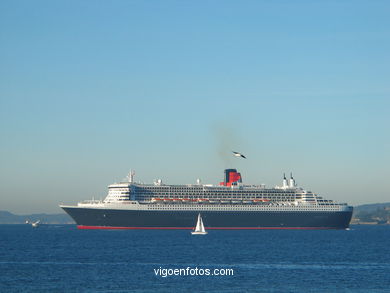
<point>203,199</point>
<point>261,200</point>
<point>154,199</point>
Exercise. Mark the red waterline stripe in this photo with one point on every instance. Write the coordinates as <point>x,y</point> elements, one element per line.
<point>208,228</point>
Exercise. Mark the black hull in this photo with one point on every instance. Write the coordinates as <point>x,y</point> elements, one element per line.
<point>141,219</point>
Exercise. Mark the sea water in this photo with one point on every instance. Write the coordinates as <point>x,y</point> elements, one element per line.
<point>61,258</point>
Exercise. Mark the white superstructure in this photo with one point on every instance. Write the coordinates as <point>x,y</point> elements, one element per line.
<point>228,196</point>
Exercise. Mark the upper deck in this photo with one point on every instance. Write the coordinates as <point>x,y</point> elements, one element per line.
<point>228,192</point>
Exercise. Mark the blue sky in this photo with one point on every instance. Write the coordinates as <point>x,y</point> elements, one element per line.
<point>90,89</point>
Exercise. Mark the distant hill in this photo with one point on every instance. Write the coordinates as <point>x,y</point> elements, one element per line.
<point>371,207</point>
<point>10,218</point>
<point>376,213</point>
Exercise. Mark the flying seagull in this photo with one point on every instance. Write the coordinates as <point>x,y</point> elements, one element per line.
<point>237,154</point>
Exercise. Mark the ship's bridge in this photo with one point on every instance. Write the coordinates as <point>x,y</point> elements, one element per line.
<point>118,192</point>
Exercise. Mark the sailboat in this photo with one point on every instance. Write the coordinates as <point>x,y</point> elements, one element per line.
<point>199,229</point>
<point>34,224</point>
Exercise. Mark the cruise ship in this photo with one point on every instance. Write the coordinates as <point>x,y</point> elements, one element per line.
<point>228,205</point>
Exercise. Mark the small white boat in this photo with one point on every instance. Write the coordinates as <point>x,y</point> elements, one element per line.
<point>199,229</point>
<point>35,224</point>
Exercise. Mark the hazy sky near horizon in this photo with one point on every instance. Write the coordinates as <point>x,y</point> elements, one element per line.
<point>90,89</point>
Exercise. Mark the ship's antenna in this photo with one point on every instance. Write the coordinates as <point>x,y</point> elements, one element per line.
<point>292,181</point>
<point>285,185</point>
<point>131,176</point>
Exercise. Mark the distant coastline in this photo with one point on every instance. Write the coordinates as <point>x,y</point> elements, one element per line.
<point>367,214</point>
<point>10,218</point>
<point>371,214</point>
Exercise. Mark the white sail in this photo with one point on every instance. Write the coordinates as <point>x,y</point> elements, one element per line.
<point>199,224</point>
<point>199,229</point>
